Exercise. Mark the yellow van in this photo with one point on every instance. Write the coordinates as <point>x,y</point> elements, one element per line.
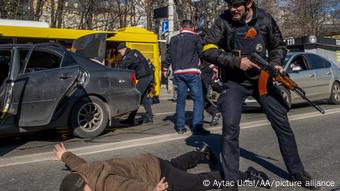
<point>134,37</point>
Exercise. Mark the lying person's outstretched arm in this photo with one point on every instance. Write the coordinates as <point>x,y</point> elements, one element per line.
<point>70,159</point>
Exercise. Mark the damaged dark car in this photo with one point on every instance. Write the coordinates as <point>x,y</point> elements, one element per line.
<point>46,86</point>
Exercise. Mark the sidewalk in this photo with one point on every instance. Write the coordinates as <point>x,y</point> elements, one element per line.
<point>164,94</point>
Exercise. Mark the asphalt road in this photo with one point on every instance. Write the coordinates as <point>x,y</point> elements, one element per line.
<point>26,162</point>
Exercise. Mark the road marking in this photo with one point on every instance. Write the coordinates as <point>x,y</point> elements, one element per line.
<point>47,156</point>
<point>172,112</point>
<point>164,113</point>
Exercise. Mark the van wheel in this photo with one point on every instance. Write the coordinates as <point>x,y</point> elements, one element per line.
<point>286,96</point>
<point>89,117</point>
<point>335,94</point>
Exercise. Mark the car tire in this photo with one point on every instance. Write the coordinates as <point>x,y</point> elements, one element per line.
<point>286,96</point>
<point>334,98</point>
<point>89,117</point>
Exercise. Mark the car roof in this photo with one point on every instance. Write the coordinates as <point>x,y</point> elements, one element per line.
<point>46,46</point>
<point>16,45</point>
<point>291,54</point>
<point>294,53</point>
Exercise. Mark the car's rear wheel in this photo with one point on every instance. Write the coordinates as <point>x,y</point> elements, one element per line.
<point>286,96</point>
<point>335,94</point>
<point>89,117</point>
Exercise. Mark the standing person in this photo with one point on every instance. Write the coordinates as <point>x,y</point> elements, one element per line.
<point>134,60</point>
<point>248,29</point>
<point>144,172</point>
<point>209,71</point>
<point>183,53</point>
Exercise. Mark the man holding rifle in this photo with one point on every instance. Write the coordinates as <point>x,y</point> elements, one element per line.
<point>241,30</point>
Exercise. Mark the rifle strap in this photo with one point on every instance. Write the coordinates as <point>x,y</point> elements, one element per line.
<point>262,85</point>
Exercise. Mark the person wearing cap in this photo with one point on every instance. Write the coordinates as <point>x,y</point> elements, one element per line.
<point>134,60</point>
<point>183,54</point>
<point>144,172</point>
<point>244,29</point>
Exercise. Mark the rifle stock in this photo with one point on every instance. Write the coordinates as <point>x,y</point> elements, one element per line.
<point>282,78</point>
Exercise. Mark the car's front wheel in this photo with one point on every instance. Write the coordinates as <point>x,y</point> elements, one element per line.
<point>89,117</point>
<point>335,94</point>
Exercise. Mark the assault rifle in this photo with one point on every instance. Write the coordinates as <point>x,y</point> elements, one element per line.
<point>283,79</point>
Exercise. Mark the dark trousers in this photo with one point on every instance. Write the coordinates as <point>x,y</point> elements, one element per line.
<point>209,106</point>
<point>230,104</point>
<point>178,179</point>
<point>143,86</point>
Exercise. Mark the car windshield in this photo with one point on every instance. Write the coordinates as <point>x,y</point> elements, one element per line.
<point>287,59</point>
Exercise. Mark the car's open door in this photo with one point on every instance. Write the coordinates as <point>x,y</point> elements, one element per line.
<point>46,83</point>
<point>9,82</point>
<point>92,46</point>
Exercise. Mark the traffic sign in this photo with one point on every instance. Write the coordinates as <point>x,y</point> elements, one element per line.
<point>165,26</point>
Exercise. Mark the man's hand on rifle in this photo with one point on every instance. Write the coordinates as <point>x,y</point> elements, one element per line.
<point>279,68</point>
<point>246,64</point>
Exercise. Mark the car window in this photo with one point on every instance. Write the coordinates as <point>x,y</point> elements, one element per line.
<point>317,62</point>
<point>298,61</point>
<point>23,54</point>
<point>5,59</point>
<point>41,60</point>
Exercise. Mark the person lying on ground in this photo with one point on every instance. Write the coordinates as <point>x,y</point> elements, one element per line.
<point>144,172</point>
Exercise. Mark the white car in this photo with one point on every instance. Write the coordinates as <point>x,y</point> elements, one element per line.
<point>317,76</point>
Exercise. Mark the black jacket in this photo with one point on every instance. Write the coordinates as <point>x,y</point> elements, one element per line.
<point>134,60</point>
<point>221,34</point>
<point>184,52</point>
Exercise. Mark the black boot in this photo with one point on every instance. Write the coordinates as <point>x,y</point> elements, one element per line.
<point>199,130</point>
<point>209,155</point>
<point>259,177</point>
<point>132,121</point>
<point>305,179</point>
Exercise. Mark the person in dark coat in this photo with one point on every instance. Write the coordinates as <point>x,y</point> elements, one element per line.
<point>239,31</point>
<point>134,60</point>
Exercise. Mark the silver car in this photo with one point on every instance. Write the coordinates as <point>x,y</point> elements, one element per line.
<point>317,76</point>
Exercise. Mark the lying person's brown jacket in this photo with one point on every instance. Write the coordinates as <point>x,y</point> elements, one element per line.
<point>139,173</point>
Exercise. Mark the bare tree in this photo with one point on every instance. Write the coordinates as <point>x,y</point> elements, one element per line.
<point>202,12</point>
<point>36,7</point>
<point>57,9</point>
<point>295,17</point>
<point>9,9</point>
<point>307,17</point>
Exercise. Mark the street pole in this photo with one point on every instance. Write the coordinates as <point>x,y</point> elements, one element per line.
<point>171,3</point>
<point>171,18</point>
